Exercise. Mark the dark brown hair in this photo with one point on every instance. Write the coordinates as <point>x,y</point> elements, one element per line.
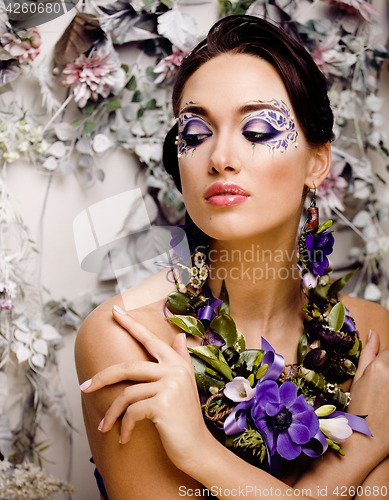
<point>305,84</point>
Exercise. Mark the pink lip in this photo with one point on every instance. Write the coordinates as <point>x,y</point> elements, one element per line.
<point>225,194</point>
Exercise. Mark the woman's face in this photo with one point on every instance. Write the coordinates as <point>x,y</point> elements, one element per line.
<point>242,155</point>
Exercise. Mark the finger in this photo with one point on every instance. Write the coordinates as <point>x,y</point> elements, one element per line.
<point>135,413</point>
<point>159,349</point>
<point>135,371</point>
<point>180,345</point>
<point>368,354</point>
<point>129,396</point>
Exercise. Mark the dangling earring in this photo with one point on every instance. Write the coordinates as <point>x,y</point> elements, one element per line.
<point>312,221</point>
<point>314,244</point>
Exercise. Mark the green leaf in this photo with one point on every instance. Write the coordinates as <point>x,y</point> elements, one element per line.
<point>338,285</point>
<point>137,97</point>
<point>249,357</point>
<point>169,4</point>
<point>225,307</point>
<point>151,76</point>
<point>178,301</point>
<point>125,68</point>
<point>204,377</point>
<point>214,357</point>
<point>89,109</point>
<point>100,174</point>
<point>213,373</point>
<point>353,351</point>
<point>75,123</point>
<point>320,290</point>
<point>240,343</point>
<point>113,105</point>
<point>131,84</point>
<point>89,127</point>
<point>189,324</point>
<point>225,326</point>
<point>151,104</point>
<point>336,317</point>
<point>348,367</point>
<point>140,112</point>
<point>323,227</point>
<point>302,348</point>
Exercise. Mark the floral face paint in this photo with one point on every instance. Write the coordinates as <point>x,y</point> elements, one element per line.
<point>192,131</point>
<point>274,128</point>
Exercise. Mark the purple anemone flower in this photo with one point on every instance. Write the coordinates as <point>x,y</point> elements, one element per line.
<point>285,420</point>
<point>318,248</point>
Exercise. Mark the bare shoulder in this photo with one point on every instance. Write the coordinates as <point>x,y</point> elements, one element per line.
<point>101,342</point>
<point>140,468</point>
<point>368,316</point>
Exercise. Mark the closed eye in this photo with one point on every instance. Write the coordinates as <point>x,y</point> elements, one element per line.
<point>195,139</point>
<point>257,136</point>
<point>194,132</point>
<point>257,131</point>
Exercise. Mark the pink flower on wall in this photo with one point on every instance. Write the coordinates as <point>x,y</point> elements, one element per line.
<point>167,67</point>
<point>325,56</point>
<point>94,76</point>
<point>22,45</point>
<point>331,191</point>
<point>364,9</point>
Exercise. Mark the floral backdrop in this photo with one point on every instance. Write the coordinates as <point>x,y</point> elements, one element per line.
<point>94,103</point>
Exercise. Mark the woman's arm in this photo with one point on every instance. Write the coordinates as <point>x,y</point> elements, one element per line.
<point>189,444</point>
<point>141,469</point>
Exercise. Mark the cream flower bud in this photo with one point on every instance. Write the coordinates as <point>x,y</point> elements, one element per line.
<point>309,280</point>
<point>325,410</point>
<point>337,428</point>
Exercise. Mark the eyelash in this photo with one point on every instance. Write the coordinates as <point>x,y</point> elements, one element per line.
<point>257,137</point>
<point>194,140</point>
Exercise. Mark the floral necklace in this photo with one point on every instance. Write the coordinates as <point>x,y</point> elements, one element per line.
<point>248,393</point>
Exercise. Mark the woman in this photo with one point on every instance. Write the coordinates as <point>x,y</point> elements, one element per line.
<point>243,179</point>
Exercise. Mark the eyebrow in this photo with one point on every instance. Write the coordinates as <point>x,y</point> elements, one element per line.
<point>244,109</point>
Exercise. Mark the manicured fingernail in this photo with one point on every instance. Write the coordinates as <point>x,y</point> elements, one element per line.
<point>85,384</point>
<point>370,332</point>
<point>119,310</point>
<point>101,425</point>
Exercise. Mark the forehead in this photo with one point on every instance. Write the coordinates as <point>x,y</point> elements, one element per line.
<point>230,80</point>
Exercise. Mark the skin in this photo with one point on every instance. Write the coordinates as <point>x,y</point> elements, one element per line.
<point>164,441</point>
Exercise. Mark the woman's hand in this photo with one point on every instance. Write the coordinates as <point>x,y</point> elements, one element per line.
<point>165,393</point>
<point>369,394</point>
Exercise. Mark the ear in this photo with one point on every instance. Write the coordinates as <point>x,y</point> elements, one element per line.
<point>320,165</point>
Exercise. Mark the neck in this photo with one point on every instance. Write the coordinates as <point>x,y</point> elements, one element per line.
<point>263,285</point>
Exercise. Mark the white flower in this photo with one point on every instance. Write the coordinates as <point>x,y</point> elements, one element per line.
<point>239,390</point>
<point>309,280</point>
<point>337,429</point>
<point>12,156</point>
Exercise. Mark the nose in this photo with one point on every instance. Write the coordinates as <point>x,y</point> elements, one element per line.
<point>224,156</point>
